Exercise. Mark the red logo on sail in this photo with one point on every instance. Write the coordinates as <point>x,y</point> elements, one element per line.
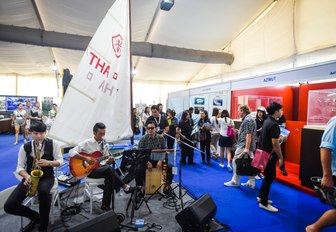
<point>117,42</point>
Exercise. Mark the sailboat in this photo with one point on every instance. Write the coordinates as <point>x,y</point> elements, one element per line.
<point>100,89</point>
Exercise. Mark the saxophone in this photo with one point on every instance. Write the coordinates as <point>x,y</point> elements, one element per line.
<point>36,173</point>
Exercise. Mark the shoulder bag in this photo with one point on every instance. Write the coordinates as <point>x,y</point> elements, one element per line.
<point>261,159</point>
<point>244,167</point>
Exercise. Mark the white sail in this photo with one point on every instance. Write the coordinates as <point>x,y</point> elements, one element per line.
<point>100,89</point>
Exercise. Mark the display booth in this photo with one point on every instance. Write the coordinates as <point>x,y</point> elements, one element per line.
<point>307,107</point>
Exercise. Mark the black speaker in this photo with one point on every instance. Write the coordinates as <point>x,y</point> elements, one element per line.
<point>106,222</point>
<point>195,217</point>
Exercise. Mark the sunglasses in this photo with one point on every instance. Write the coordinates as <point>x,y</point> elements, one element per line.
<point>150,128</point>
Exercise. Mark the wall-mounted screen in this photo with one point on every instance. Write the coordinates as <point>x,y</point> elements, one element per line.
<point>9,103</point>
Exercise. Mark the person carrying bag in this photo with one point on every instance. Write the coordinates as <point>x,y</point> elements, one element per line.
<point>245,167</point>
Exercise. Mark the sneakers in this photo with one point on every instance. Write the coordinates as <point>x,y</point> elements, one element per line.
<point>15,143</point>
<point>248,184</point>
<point>222,165</point>
<point>269,208</point>
<point>257,177</point>
<point>229,168</point>
<point>231,184</point>
<point>268,201</point>
<point>215,156</point>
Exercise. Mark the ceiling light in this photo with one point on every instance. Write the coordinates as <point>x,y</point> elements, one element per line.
<point>54,66</point>
<point>166,4</point>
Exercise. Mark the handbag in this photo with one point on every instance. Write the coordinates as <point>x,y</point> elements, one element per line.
<point>230,132</point>
<point>244,167</point>
<point>203,136</point>
<point>261,159</point>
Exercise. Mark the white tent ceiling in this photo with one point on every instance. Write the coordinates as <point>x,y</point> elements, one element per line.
<point>194,24</point>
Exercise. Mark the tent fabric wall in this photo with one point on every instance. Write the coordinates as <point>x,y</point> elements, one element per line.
<point>293,33</point>
<point>41,86</point>
<point>269,40</point>
<point>315,25</point>
<point>153,93</point>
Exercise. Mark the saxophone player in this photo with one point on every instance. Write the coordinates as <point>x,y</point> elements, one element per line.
<point>44,154</point>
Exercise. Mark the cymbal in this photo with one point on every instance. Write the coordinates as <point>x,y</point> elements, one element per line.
<point>164,150</point>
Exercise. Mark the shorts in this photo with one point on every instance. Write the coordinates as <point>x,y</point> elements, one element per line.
<point>225,141</point>
<point>18,122</point>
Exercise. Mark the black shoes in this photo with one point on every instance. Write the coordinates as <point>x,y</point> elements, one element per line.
<point>284,172</point>
<point>30,226</point>
<point>130,190</point>
<point>106,208</point>
<point>192,163</point>
<point>101,186</point>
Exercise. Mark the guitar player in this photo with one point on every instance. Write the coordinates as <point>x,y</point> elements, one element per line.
<point>92,145</point>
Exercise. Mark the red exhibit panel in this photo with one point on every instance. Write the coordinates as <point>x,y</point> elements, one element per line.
<point>303,96</point>
<point>263,96</point>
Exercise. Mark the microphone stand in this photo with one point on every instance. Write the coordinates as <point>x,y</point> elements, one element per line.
<point>180,196</point>
<point>113,179</point>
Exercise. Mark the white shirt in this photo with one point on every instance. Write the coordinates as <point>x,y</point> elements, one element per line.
<point>224,125</point>
<point>215,125</point>
<point>89,146</point>
<point>22,158</point>
<point>19,114</point>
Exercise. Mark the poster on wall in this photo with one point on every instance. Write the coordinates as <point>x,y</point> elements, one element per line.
<point>47,103</point>
<point>12,101</point>
<point>217,102</point>
<point>199,101</point>
<point>2,103</point>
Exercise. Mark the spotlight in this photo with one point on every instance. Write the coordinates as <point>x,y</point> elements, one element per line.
<point>54,66</point>
<point>134,72</point>
<point>166,4</point>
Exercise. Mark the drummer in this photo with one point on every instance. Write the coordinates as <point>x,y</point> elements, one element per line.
<point>153,141</point>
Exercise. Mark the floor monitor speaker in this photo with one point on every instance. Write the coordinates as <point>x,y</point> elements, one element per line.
<point>106,222</point>
<point>195,217</point>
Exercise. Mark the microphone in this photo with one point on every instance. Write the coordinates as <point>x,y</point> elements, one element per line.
<point>103,143</point>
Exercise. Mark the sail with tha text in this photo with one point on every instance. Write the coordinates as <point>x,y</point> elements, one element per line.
<point>100,89</point>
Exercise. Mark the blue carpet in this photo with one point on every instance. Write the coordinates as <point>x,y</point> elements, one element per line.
<point>236,207</point>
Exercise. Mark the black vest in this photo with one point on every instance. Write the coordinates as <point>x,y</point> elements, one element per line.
<point>48,155</point>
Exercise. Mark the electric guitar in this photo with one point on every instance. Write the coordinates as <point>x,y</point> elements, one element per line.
<point>80,168</point>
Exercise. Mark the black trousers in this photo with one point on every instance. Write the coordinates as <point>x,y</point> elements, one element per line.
<point>170,142</point>
<point>283,145</point>
<point>187,151</point>
<point>111,179</point>
<point>140,172</point>
<point>205,147</point>
<point>270,173</point>
<point>14,205</point>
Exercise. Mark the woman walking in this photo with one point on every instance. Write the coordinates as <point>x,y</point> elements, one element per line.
<point>225,141</point>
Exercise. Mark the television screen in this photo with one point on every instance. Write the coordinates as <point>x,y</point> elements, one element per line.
<point>11,102</point>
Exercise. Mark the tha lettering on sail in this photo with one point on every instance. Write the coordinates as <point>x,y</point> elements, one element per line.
<point>104,69</point>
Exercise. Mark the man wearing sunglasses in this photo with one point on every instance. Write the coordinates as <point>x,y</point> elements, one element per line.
<point>153,141</point>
